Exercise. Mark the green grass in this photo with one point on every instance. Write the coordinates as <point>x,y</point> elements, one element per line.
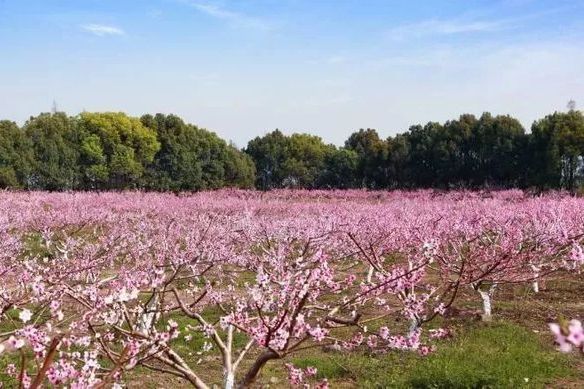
<point>493,355</point>
<point>498,355</point>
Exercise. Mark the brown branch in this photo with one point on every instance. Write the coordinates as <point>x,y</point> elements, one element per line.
<point>253,371</point>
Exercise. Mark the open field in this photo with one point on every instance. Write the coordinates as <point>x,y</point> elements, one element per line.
<point>289,288</point>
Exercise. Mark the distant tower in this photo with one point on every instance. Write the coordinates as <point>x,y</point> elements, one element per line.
<point>54,108</point>
<point>571,105</point>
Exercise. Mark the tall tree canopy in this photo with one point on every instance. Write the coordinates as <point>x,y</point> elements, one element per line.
<point>53,151</point>
<point>467,152</point>
<point>114,149</point>
<point>557,147</point>
<point>16,156</point>
<point>340,170</point>
<point>193,159</point>
<point>54,141</point>
<point>299,160</point>
<point>269,154</point>
<point>371,152</point>
<point>176,166</point>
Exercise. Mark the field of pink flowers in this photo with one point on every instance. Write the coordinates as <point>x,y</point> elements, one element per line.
<point>215,286</point>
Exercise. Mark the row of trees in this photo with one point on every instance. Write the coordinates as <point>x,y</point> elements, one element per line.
<point>114,151</point>
<point>469,152</point>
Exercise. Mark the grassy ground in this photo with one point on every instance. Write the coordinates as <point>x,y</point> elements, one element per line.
<point>489,355</point>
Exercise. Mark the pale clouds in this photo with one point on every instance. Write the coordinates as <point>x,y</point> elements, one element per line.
<point>429,28</point>
<point>336,59</point>
<point>102,29</point>
<point>235,19</point>
<point>325,101</point>
<point>332,60</point>
<point>205,78</point>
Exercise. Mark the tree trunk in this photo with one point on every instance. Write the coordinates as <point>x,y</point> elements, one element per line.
<point>370,274</point>
<point>535,283</point>
<point>229,379</point>
<point>253,371</point>
<point>486,297</point>
<point>414,326</point>
<point>150,315</point>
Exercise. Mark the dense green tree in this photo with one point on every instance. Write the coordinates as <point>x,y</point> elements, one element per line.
<point>55,148</point>
<point>114,149</point>
<point>471,152</point>
<point>467,152</point>
<point>306,160</point>
<point>295,161</point>
<point>269,152</point>
<point>340,170</point>
<point>16,156</point>
<point>397,163</point>
<point>193,159</point>
<point>239,168</point>
<point>557,147</point>
<point>426,157</point>
<point>227,166</point>
<point>498,150</point>
<point>176,166</point>
<point>372,154</point>
<point>460,135</point>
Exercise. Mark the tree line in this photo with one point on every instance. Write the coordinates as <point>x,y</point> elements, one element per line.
<point>468,152</point>
<point>95,151</point>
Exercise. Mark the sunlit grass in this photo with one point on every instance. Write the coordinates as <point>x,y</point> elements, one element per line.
<point>498,355</point>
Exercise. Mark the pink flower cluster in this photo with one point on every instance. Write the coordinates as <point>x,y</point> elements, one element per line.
<point>299,377</point>
<point>569,335</point>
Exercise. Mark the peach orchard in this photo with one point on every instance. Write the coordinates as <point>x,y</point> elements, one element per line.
<point>95,285</point>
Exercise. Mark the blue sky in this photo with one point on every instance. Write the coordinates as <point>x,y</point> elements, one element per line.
<point>328,67</point>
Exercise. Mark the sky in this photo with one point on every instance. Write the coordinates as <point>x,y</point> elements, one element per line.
<point>242,68</point>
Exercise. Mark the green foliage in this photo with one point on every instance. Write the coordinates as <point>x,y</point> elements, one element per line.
<point>162,152</point>
<point>305,160</point>
<point>557,147</point>
<point>16,157</point>
<point>212,153</point>
<point>176,166</point>
<point>54,146</point>
<point>8,177</point>
<point>193,159</point>
<point>269,154</point>
<point>340,169</point>
<point>468,152</point>
<point>239,169</point>
<point>372,153</point>
<point>298,161</point>
<point>114,149</point>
